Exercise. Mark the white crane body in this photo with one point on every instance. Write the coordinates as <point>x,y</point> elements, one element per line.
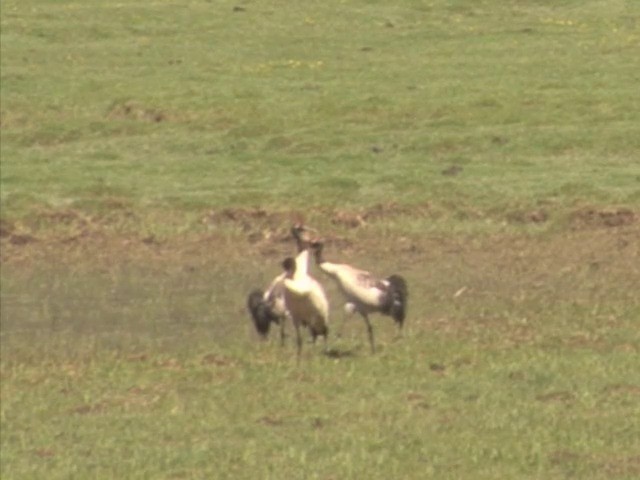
<point>359,287</point>
<point>304,298</point>
<point>364,293</point>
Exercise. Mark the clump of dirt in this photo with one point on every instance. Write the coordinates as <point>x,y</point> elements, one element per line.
<point>259,224</point>
<point>378,212</point>
<point>529,216</point>
<point>13,234</point>
<point>561,457</point>
<point>62,217</point>
<point>130,110</point>
<point>348,219</point>
<point>620,466</point>
<point>622,389</point>
<point>217,360</point>
<point>602,218</point>
<point>271,421</point>
<point>6,228</point>
<point>556,397</point>
<point>86,409</point>
<point>452,171</point>
<point>263,226</point>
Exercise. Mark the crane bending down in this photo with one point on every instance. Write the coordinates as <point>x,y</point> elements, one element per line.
<point>364,293</point>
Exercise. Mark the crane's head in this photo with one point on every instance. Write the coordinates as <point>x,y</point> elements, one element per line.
<point>289,265</point>
<point>317,246</point>
<point>301,233</point>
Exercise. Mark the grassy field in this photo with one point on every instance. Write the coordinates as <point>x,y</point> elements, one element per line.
<point>155,154</point>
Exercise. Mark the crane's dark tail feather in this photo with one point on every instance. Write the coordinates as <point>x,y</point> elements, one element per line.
<point>398,295</point>
<point>261,312</point>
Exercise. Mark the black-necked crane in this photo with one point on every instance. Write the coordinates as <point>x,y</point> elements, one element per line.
<point>364,293</point>
<point>305,299</point>
<point>268,307</point>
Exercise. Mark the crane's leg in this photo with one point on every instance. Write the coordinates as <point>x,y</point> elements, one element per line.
<point>283,320</point>
<point>298,341</point>
<point>369,332</point>
<point>349,308</point>
<point>400,330</point>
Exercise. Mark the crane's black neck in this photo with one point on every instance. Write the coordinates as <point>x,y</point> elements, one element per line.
<point>318,252</point>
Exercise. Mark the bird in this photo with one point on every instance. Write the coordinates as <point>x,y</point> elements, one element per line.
<point>364,293</point>
<point>268,307</point>
<point>305,299</point>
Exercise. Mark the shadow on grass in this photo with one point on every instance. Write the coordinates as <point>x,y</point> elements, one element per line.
<point>340,353</point>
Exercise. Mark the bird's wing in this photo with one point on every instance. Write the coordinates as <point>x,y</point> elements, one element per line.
<point>356,283</point>
<point>367,280</point>
<point>364,288</point>
<point>275,289</point>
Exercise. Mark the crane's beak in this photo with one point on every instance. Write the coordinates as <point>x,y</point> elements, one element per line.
<point>303,233</point>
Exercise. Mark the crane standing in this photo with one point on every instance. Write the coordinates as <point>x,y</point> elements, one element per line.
<point>364,293</point>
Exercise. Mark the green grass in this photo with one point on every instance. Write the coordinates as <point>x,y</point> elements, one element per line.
<point>176,106</point>
<point>138,371</point>
<point>486,150</point>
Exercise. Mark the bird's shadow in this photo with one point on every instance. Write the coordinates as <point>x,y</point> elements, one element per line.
<point>339,353</point>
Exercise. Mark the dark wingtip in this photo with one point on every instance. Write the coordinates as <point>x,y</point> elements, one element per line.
<point>260,312</point>
<point>399,296</point>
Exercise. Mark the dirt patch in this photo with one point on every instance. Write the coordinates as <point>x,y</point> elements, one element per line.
<point>418,400</point>
<point>271,421</point>
<point>622,389</point>
<point>44,453</point>
<point>452,171</point>
<point>563,457</point>
<point>357,218</point>
<point>602,218</point>
<point>13,235</point>
<point>258,223</point>
<point>6,228</point>
<point>130,110</point>
<point>528,216</point>
<point>88,409</point>
<point>613,466</point>
<point>624,466</point>
<point>556,397</point>
<point>233,233</point>
<point>217,360</point>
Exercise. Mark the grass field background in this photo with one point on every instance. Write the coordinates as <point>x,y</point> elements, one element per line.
<point>155,154</point>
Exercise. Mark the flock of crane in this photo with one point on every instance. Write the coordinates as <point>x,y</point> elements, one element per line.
<point>296,296</point>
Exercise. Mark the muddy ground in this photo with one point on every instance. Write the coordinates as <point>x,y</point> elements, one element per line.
<point>609,234</point>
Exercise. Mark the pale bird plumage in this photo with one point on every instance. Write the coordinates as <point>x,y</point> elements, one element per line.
<point>270,306</point>
<point>364,293</point>
<point>305,298</point>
